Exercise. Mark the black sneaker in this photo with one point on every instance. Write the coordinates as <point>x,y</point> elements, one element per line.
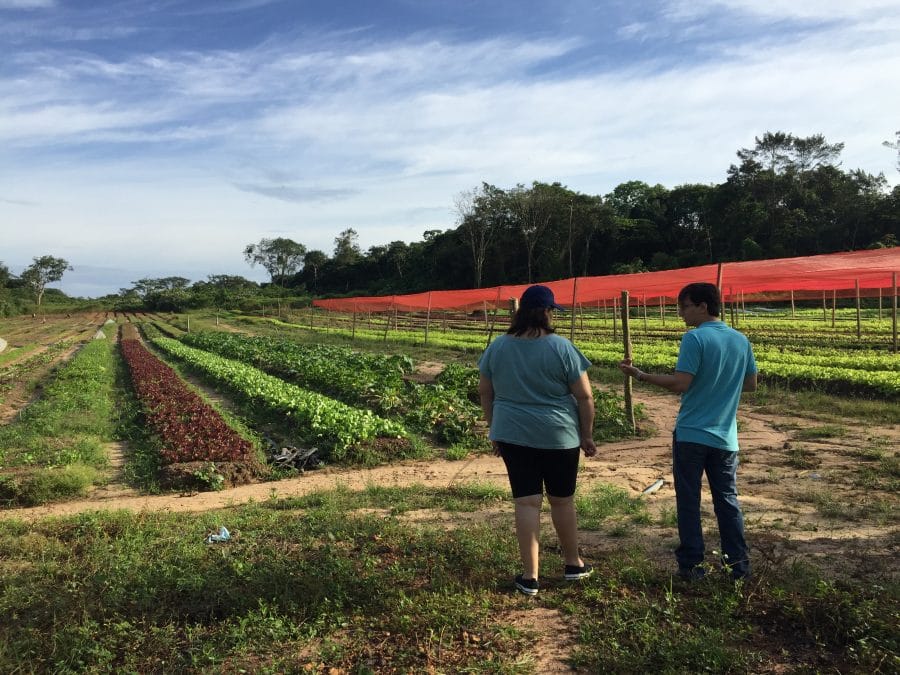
<point>695,573</point>
<point>527,586</point>
<point>576,572</point>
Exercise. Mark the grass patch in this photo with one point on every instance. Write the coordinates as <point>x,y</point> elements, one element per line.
<point>67,427</point>
<point>824,431</point>
<point>603,502</point>
<point>464,497</point>
<point>778,400</point>
<point>801,458</point>
<point>367,593</point>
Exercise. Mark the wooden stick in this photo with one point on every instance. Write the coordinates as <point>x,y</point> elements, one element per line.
<point>894,309</point>
<point>626,341</point>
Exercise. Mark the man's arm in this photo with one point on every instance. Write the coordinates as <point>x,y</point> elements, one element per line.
<point>749,383</point>
<point>677,382</point>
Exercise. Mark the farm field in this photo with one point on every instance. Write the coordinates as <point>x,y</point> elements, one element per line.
<point>397,553</point>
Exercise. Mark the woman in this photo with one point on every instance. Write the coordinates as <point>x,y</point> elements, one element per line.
<point>540,408</point>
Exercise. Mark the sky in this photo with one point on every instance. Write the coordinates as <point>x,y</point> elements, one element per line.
<point>152,138</point>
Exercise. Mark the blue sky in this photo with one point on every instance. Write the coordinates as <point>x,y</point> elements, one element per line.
<point>160,137</point>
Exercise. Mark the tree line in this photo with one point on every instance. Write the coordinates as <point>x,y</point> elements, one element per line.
<point>786,196</point>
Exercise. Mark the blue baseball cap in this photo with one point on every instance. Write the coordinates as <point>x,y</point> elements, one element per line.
<point>538,297</point>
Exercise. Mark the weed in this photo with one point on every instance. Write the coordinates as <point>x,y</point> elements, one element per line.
<point>824,431</point>
<point>801,458</point>
<point>604,501</point>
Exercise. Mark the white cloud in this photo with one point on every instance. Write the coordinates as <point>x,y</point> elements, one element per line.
<point>820,10</point>
<point>27,4</point>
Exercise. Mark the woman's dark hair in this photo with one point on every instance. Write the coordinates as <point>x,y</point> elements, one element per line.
<point>702,292</point>
<point>531,320</point>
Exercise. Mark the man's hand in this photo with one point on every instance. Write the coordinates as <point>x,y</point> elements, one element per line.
<point>630,370</point>
<point>589,447</point>
<point>496,447</point>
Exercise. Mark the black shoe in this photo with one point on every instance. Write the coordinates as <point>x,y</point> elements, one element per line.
<point>576,572</point>
<point>691,573</point>
<point>527,587</point>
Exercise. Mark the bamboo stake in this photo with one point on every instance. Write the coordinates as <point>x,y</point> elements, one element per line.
<point>894,309</point>
<point>879,303</point>
<point>833,305</point>
<point>615,325</point>
<point>387,321</point>
<point>574,295</point>
<point>428,317</point>
<point>493,318</point>
<point>792,303</point>
<point>824,309</point>
<point>719,272</point>
<point>731,298</point>
<point>858,317</point>
<point>646,330</point>
<point>626,342</point>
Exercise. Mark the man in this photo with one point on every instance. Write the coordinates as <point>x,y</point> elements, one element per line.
<point>715,364</point>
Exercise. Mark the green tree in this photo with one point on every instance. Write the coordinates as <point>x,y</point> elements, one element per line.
<point>313,262</point>
<point>280,257</point>
<point>224,291</point>
<point>481,213</point>
<point>346,248</point>
<point>44,270</point>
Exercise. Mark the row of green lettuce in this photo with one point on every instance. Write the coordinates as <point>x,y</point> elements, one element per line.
<point>868,372</point>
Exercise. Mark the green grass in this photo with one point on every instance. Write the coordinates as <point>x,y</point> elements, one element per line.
<point>821,406</point>
<point>824,431</point>
<point>799,457</point>
<point>603,502</point>
<point>332,587</point>
<point>55,447</point>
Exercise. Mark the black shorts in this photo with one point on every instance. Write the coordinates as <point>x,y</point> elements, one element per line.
<point>530,469</point>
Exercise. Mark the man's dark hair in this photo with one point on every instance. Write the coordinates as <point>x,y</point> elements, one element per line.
<point>702,292</point>
<point>530,320</point>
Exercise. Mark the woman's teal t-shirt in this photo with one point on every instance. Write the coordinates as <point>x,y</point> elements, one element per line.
<point>533,405</point>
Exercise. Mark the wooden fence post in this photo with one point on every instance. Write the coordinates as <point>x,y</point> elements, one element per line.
<point>574,295</point>
<point>894,309</point>
<point>427,317</point>
<point>626,341</point>
<point>833,305</point>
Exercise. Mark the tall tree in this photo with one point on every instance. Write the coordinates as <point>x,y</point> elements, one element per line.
<point>812,152</point>
<point>313,262</point>
<point>532,209</point>
<point>480,213</point>
<point>346,248</point>
<point>44,270</point>
<point>280,257</point>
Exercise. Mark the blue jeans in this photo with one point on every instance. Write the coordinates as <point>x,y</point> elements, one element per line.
<point>689,461</point>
